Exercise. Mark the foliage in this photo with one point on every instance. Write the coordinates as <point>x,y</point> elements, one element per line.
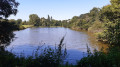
<point>85,21</point>
<point>97,27</point>
<point>6,32</point>
<point>100,35</point>
<point>110,14</point>
<point>8,7</point>
<point>48,58</point>
<point>101,59</point>
<point>112,33</point>
<point>19,21</point>
<point>34,19</point>
<point>112,11</point>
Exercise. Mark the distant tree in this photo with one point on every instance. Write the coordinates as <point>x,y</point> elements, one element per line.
<point>94,13</point>
<point>24,23</point>
<point>48,21</point>
<point>51,18</point>
<point>42,20</point>
<point>48,18</point>
<point>19,21</point>
<point>12,21</point>
<point>34,20</point>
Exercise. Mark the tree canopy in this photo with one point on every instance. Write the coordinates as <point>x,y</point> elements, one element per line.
<point>8,7</point>
<point>34,19</point>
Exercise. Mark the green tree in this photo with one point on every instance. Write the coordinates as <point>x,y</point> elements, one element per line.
<point>34,20</point>
<point>6,29</point>
<point>8,7</point>
<point>111,15</point>
<point>24,23</point>
<point>51,18</point>
<point>94,14</point>
<point>48,21</point>
<point>19,21</point>
<point>12,21</point>
<point>43,20</point>
<point>112,11</point>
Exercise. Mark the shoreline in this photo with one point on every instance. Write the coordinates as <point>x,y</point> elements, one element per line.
<point>93,33</point>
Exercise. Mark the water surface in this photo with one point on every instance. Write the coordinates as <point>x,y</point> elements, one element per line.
<point>29,39</point>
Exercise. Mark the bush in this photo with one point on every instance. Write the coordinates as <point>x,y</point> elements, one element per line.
<point>100,35</point>
<point>101,59</point>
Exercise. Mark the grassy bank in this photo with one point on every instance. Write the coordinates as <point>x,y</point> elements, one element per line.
<point>27,26</point>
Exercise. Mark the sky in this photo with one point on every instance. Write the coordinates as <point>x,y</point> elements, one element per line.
<point>58,9</point>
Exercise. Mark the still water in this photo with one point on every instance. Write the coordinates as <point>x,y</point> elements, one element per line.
<point>28,40</point>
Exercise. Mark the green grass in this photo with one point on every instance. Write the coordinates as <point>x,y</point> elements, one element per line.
<point>27,26</point>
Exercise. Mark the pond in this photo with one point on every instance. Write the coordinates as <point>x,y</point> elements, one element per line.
<point>76,42</point>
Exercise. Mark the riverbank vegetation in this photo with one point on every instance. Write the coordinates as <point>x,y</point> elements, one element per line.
<point>103,22</point>
<point>102,59</point>
<point>47,58</point>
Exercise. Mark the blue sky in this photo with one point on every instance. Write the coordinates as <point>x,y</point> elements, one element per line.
<point>58,9</point>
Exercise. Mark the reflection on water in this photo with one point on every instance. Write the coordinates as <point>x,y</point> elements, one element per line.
<point>29,39</point>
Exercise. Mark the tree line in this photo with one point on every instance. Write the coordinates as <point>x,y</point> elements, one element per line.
<point>36,21</point>
<point>104,22</point>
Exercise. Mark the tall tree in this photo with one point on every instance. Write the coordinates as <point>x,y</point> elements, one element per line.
<point>51,18</point>
<point>7,7</point>
<point>48,21</point>
<point>111,15</point>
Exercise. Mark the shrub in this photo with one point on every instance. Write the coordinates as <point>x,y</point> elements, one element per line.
<point>101,59</point>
